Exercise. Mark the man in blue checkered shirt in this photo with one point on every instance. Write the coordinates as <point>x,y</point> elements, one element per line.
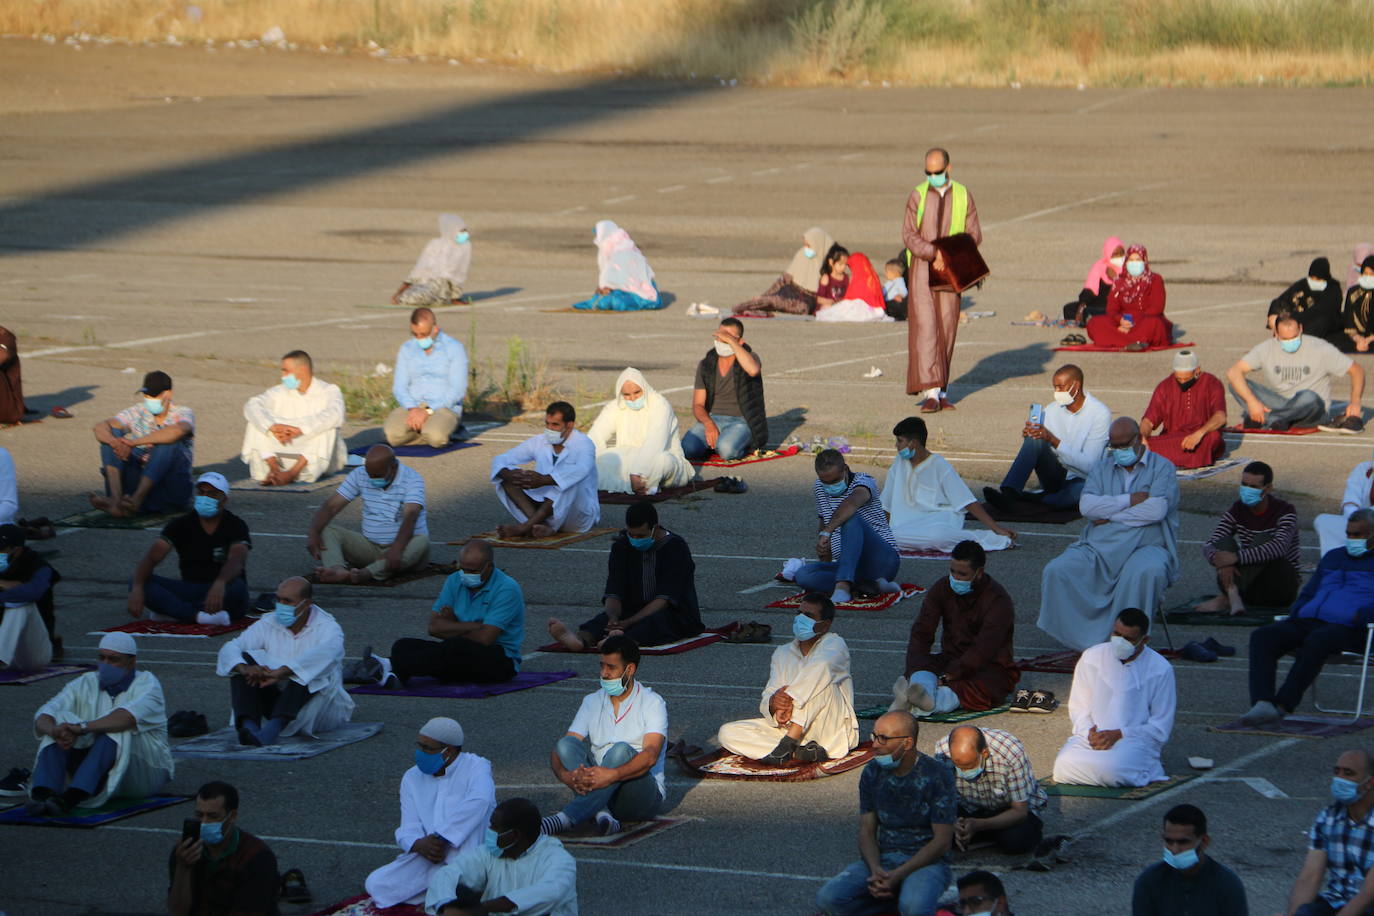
<point>1340,846</point>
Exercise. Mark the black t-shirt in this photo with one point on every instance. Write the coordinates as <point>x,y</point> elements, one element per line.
<point>202,554</point>
<point>1162,890</point>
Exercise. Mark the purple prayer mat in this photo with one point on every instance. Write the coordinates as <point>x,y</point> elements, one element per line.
<point>16,678</point>
<point>429,687</point>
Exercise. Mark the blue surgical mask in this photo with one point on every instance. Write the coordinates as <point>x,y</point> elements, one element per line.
<point>378,482</point>
<point>212,832</point>
<point>638,403</point>
<point>960,586</point>
<point>937,181</point>
<point>1292,345</point>
<point>285,614</point>
<point>641,543</point>
<point>491,842</point>
<point>1251,496</point>
<point>1181,860</point>
<point>970,775</point>
<point>427,763</point>
<point>108,675</point>
<point>206,506</point>
<point>1125,457</point>
<point>462,237</point>
<point>837,488</point>
<point>1135,268</point>
<point>470,579</point>
<point>290,382</point>
<point>808,251</point>
<point>906,454</point>
<point>154,405</point>
<point>803,628</point>
<point>1344,791</point>
<point>1356,547</point>
<point>614,687</point>
<point>887,761</point>
<point>425,342</point>
<point>4,562</point>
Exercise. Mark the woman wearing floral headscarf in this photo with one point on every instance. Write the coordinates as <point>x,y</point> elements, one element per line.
<point>1135,309</point>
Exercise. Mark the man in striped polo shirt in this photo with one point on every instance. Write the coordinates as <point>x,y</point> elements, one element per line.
<point>855,549</point>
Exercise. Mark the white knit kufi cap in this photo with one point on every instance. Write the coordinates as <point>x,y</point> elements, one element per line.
<point>1185,361</point>
<point>122,643</point>
<point>444,729</point>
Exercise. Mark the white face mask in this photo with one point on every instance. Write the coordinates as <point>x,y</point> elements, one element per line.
<point>553,435</point>
<point>1316,285</point>
<point>1117,262</point>
<point>1064,398</point>
<point>724,349</point>
<point>1366,281</point>
<point>1122,647</point>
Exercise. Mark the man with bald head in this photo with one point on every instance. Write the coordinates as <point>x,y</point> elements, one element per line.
<point>104,734</point>
<point>429,385</point>
<point>1000,799</point>
<point>478,625</point>
<point>395,535</point>
<point>294,432</point>
<point>1127,554</point>
<point>907,810</point>
<point>1061,449</point>
<point>1338,874</point>
<point>286,671</point>
<point>938,207</point>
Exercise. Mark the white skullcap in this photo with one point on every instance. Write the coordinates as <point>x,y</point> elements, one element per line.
<point>216,480</point>
<point>444,729</point>
<point>122,643</point>
<point>1185,361</point>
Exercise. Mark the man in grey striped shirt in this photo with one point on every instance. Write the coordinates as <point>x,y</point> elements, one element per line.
<point>855,549</point>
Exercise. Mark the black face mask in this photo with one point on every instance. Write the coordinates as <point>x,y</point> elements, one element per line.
<point>1186,385</point>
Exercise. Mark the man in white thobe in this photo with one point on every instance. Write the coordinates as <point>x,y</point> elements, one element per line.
<point>514,870</point>
<point>1128,553</point>
<point>447,798</point>
<point>1122,708</point>
<point>559,494</point>
<point>294,428</point>
<point>925,499</point>
<point>103,736</point>
<point>286,671</point>
<point>808,704</point>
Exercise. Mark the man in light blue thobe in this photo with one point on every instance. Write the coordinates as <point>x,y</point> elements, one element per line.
<point>1127,555</point>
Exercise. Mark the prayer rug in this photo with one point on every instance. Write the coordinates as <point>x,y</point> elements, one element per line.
<point>686,644</point>
<point>248,484</point>
<point>875,603</point>
<point>631,833</point>
<point>415,451</point>
<point>715,461</point>
<point>114,810</point>
<point>176,628</point>
<point>224,744</point>
<point>429,687</point>
<point>424,572</point>
<point>362,905</point>
<point>12,678</point>
<point>1023,511</point>
<point>1211,471</point>
<point>1064,662</point>
<point>928,553</point>
<point>949,718</point>
<point>1099,348</point>
<point>607,498</point>
<point>1184,615</point>
<point>94,518</point>
<point>1298,727</point>
<point>721,764</point>
<point>1124,793</point>
<point>559,539</point>
<point>1242,431</point>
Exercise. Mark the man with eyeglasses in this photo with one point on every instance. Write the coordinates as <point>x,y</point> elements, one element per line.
<point>981,894</point>
<point>907,809</point>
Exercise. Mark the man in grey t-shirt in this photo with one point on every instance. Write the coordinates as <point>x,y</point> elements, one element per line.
<point>1297,372</point>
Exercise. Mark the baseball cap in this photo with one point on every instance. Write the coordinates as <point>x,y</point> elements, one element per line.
<point>155,383</point>
<point>216,480</point>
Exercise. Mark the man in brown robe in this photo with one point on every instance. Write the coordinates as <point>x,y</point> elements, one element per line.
<point>933,317</point>
<point>974,668</point>
<point>11,388</point>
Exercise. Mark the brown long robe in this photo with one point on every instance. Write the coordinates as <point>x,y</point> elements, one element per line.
<point>933,318</point>
<point>975,645</point>
<point>11,388</point>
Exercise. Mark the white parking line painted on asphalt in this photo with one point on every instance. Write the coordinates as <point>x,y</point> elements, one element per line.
<point>1025,217</point>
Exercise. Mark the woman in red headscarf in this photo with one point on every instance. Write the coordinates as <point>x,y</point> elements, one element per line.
<point>1135,309</point>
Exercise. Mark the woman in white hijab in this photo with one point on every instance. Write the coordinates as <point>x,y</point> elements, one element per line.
<point>647,453</point>
<point>794,293</point>
<point>438,276</point>
<point>625,281</point>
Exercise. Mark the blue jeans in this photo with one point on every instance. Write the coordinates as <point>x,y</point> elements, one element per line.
<point>87,767</point>
<point>864,557</point>
<point>846,894</point>
<point>734,438</point>
<point>633,800</point>
<point>168,468</point>
<point>1306,408</point>
<point>1039,456</point>
<point>183,600</point>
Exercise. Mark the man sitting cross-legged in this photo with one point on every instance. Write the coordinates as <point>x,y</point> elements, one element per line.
<point>146,453</point>
<point>612,756</point>
<point>1122,707</point>
<point>855,550</point>
<point>1329,616</point>
<point>651,592</point>
<point>285,671</point>
<point>395,535</point>
<point>1186,413</point>
<point>559,493</point>
<point>974,667</point>
<point>1254,548</point>
<point>808,704</point>
<point>294,431</point>
<point>26,604</point>
<point>999,797</point>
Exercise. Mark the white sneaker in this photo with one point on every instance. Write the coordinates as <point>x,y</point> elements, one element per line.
<point>218,619</point>
<point>840,596</point>
<point>920,698</point>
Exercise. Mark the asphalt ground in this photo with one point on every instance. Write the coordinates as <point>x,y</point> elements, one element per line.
<point>278,202</point>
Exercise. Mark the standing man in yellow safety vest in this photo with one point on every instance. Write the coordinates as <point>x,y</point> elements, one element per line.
<point>938,207</point>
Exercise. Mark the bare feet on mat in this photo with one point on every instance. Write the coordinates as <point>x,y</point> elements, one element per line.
<point>360,576</point>
<point>541,531</point>
<point>1214,605</point>
<point>107,505</point>
<point>507,532</point>
<point>559,631</point>
<point>332,575</point>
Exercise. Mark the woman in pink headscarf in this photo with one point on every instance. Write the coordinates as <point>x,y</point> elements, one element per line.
<point>1135,309</point>
<point>1092,298</point>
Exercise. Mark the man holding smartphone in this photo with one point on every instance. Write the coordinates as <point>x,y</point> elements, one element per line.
<point>218,869</point>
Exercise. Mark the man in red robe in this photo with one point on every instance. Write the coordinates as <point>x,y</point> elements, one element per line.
<point>1186,414</point>
<point>11,385</point>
